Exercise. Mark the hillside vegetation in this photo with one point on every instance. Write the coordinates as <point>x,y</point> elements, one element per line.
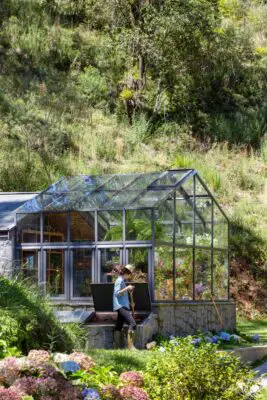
<point>96,86</point>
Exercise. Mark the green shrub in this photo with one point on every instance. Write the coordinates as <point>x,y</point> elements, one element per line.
<point>186,372</point>
<point>27,320</point>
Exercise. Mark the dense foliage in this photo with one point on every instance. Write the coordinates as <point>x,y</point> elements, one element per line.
<point>90,86</point>
<point>189,372</point>
<point>183,372</point>
<point>198,65</point>
<point>27,321</point>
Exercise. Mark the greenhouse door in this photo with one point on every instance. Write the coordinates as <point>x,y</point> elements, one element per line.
<point>82,273</point>
<point>55,267</point>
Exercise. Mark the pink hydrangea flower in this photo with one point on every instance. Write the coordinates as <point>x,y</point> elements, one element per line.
<point>8,394</point>
<point>26,385</point>
<point>132,378</point>
<point>39,356</point>
<point>9,370</point>
<point>110,392</point>
<point>83,360</point>
<point>133,393</point>
<point>46,386</point>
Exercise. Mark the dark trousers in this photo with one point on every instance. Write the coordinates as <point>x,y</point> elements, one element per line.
<point>124,315</point>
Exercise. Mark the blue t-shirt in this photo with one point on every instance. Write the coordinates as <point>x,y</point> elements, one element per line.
<point>122,300</point>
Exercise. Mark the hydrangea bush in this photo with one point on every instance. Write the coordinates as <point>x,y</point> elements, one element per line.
<point>43,376</point>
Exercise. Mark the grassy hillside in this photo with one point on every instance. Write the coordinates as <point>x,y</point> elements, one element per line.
<point>95,86</point>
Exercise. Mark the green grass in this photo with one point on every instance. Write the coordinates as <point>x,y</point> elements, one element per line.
<point>251,327</point>
<point>122,360</point>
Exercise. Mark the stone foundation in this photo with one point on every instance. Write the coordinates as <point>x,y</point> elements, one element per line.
<point>6,257</point>
<point>179,319</point>
<point>187,319</point>
<point>100,336</point>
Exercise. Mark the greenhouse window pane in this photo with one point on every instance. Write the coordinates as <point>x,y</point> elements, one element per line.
<point>202,274</point>
<point>163,273</point>
<point>184,216</point>
<point>29,264</point>
<point>169,178</point>
<point>82,226</point>
<point>164,221</point>
<point>55,227</point>
<point>55,272</point>
<point>138,225</point>
<point>110,226</point>
<point>139,258</point>
<point>28,228</point>
<point>204,208</point>
<point>203,216</point>
<point>183,274</point>
<point>109,258</point>
<point>220,227</point>
<point>202,233</point>
<point>200,189</point>
<point>82,272</point>
<point>220,275</point>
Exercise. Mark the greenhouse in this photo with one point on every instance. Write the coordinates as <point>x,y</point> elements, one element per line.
<point>167,224</point>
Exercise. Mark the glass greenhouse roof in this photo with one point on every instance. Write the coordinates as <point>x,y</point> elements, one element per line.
<point>107,192</point>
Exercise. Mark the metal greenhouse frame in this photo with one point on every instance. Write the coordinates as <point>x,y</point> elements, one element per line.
<point>72,234</point>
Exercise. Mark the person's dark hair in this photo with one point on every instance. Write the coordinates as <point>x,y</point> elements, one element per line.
<point>121,270</point>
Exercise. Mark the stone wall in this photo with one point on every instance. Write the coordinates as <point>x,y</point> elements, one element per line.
<point>187,319</point>
<point>6,256</point>
<point>100,336</point>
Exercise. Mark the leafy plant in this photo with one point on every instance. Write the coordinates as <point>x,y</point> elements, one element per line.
<point>189,372</point>
<point>98,377</point>
<point>28,320</point>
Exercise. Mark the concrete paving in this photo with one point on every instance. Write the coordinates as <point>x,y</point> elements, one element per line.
<point>262,369</point>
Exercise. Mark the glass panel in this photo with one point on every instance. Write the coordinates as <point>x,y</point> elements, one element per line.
<point>82,226</point>
<point>220,275</point>
<point>200,190</point>
<point>203,233</point>
<point>29,264</point>
<point>139,258</point>
<point>184,274</point>
<point>55,272</point>
<point>150,198</point>
<point>170,178</point>
<point>202,274</point>
<point>109,225</point>
<point>138,225</point>
<point>108,259</point>
<point>82,272</point>
<point>184,215</point>
<point>203,216</point>
<point>55,227</point>
<point>220,238</point>
<point>163,273</point>
<point>28,228</point>
<point>204,208</point>
<point>164,221</point>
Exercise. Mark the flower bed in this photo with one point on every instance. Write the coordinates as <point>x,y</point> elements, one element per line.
<point>45,376</point>
<point>222,339</point>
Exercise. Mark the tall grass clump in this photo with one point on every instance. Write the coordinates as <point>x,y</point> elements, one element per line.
<point>27,320</point>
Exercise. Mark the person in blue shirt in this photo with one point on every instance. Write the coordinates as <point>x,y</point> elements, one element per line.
<point>121,304</point>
